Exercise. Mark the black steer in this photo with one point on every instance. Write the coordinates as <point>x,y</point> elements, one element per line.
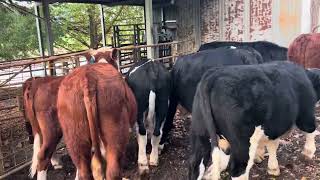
<point>249,105</point>
<point>268,50</point>
<point>151,84</point>
<point>188,70</point>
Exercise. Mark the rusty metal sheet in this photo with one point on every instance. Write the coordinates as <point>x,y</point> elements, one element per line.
<point>209,10</point>
<point>234,20</point>
<point>260,19</point>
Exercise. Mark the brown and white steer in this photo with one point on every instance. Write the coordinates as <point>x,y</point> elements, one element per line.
<point>40,95</point>
<point>96,109</point>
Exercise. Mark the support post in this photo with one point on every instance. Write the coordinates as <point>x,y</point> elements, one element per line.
<point>149,27</point>
<point>40,39</point>
<point>103,26</point>
<point>46,13</point>
<point>197,24</point>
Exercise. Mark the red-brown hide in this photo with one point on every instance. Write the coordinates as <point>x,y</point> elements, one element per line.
<point>305,50</point>
<point>39,97</point>
<point>95,108</point>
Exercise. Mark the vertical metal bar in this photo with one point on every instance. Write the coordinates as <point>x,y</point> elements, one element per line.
<point>149,27</point>
<point>46,13</point>
<point>197,24</point>
<point>39,33</point>
<point>103,27</point>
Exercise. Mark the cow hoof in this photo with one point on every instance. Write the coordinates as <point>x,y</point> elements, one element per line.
<point>143,169</point>
<point>274,172</point>
<point>161,147</point>
<point>58,166</point>
<point>153,162</point>
<point>308,153</point>
<point>258,159</point>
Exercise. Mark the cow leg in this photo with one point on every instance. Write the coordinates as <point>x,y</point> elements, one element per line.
<point>36,149</point>
<point>173,103</point>
<point>161,111</point>
<point>142,142</point>
<point>310,145</point>
<point>115,144</point>
<point>55,161</point>
<point>77,175</point>
<point>307,124</point>
<point>242,161</point>
<point>260,154</point>
<point>273,165</point>
<point>200,153</point>
<point>220,163</point>
<point>79,149</point>
<point>50,140</point>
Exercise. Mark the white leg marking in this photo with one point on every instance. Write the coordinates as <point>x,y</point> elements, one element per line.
<point>261,151</point>
<point>155,141</point>
<point>42,175</point>
<point>154,156</point>
<point>273,165</point>
<point>254,143</point>
<point>142,155</point>
<point>36,149</point>
<point>202,169</point>
<point>219,163</point>
<point>77,175</point>
<point>310,145</point>
<point>55,161</point>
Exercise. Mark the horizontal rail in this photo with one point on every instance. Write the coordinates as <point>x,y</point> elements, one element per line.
<point>57,57</point>
<point>47,59</point>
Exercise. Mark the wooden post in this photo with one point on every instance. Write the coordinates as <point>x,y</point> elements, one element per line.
<point>40,39</point>
<point>46,13</point>
<point>149,27</point>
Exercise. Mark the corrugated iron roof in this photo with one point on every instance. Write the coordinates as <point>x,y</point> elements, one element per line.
<point>108,2</point>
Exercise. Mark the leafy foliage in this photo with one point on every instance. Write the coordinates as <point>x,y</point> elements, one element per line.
<point>75,27</point>
<point>17,37</point>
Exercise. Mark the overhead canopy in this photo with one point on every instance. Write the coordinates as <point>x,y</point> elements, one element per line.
<point>109,2</point>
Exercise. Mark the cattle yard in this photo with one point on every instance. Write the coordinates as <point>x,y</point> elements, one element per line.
<point>15,148</point>
<point>174,159</point>
<point>16,151</point>
<point>212,21</point>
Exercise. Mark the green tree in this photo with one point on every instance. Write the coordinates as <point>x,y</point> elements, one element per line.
<point>78,26</point>
<point>18,34</point>
<point>75,27</point>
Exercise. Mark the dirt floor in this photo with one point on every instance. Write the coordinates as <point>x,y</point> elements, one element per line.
<point>173,160</point>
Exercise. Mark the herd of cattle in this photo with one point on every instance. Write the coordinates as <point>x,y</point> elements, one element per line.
<point>243,97</point>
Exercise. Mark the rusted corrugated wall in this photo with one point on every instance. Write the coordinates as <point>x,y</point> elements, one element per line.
<point>232,26</point>
<point>209,20</point>
<point>233,20</point>
<point>185,24</point>
<point>260,19</point>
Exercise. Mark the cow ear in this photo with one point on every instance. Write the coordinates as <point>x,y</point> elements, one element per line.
<point>113,54</point>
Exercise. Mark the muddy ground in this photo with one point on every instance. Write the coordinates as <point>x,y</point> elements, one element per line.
<point>173,160</point>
